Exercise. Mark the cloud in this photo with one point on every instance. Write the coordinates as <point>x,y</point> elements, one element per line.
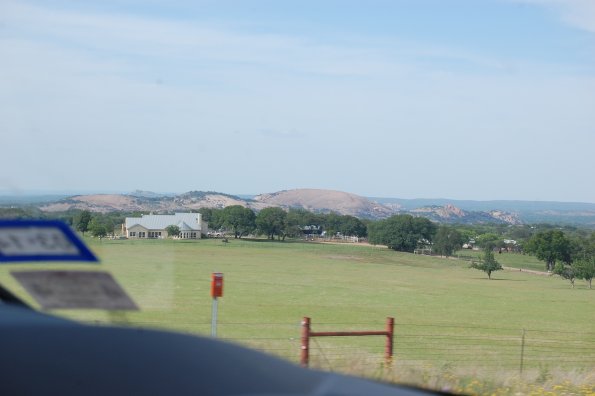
<point>128,36</point>
<point>577,13</point>
<point>141,45</point>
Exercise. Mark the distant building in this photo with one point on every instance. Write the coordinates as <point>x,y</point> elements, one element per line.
<point>191,226</point>
<point>311,229</point>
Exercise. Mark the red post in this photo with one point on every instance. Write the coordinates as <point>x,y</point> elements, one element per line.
<point>305,353</point>
<point>216,284</point>
<point>390,331</point>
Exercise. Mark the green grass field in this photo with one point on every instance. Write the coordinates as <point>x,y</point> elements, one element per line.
<point>447,315</point>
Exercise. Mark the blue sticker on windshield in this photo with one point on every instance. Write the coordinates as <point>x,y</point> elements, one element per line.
<point>41,240</point>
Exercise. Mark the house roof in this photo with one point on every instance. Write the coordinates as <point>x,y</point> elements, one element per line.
<point>186,221</point>
<point>184,227</point>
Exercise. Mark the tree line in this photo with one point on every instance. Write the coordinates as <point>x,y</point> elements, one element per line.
<point>565,250</point>
<point>570,257</point>
<point>274,222</point>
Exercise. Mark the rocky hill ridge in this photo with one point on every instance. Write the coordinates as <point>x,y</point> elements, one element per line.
<point>315,200</point>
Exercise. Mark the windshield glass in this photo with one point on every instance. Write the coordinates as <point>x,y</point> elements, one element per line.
<point>426,162</point>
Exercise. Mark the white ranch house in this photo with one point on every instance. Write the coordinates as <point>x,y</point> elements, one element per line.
<point>153,226</point>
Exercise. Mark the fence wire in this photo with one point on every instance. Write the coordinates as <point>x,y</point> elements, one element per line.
<point>416,345</point>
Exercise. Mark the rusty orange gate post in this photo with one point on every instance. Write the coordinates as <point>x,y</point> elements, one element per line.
<point>307,333</point>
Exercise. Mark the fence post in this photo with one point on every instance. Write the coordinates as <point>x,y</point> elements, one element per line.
<point>305,349</point>
<point>390,330</point>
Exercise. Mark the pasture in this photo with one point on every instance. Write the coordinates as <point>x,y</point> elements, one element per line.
<point>447,316</point>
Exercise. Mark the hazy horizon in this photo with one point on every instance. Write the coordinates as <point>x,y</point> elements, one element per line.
<point>37,193</point>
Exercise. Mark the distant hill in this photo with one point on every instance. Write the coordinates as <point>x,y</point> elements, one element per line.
<point>452,214</point>
<point>513,206</point>
<point>324,201</point>
<point>576,213</point>
<point>150,194</point>
<point>29,199</point>
<point>147,202</point>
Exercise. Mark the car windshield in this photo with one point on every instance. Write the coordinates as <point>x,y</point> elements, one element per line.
<point>396,190</point>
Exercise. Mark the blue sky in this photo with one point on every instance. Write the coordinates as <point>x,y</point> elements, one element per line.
<point>491,99</point>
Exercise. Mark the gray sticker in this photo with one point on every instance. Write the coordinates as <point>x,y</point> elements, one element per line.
<point>75,290</point>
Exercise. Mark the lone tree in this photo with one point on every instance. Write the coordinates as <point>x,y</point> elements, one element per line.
<point>401,232</point>
<point>172,230</point>
<point>550,246</point>
<point>585,269</point>
<point>241,220</point>
<point>97,228</point>
<point>566,271</point>
<point>82,220</point>
<point>487,263</point>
